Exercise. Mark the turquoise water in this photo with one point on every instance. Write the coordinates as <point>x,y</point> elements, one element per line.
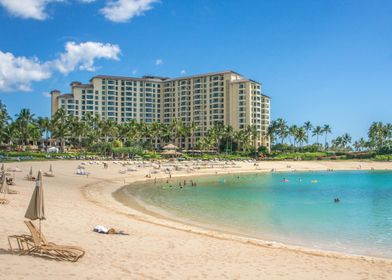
<point>299,212</point>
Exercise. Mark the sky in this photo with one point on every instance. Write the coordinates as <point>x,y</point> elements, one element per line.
<point>324,61</point>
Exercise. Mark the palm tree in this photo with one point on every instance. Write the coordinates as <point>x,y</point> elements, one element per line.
<point>272,131</point>
<point>317,131</point>
<point>228,134</point>
<point>108,129</point>
<point>379,133</point>
<point>4,117</point>
<point>43,124</point>
<point>301,136</point>
<point>360,144</point>
<point>7,134</point>
<point>326,130</point>
<point>155,131</point>
<point>282,129</point>
<point>192,128</point>
<point>346,139</point>
<point>308,128</point>
<point>60,127</point>
<point>293,132</point>
<point>79,130</point>
<point>93,134</point>
<point>23,119</point>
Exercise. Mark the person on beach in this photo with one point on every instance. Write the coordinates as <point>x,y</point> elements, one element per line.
<point>105,230</point>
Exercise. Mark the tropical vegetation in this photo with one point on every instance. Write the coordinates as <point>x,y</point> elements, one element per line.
<point>92,134</point>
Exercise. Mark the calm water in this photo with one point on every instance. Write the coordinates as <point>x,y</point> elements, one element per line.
<point>299,211</point>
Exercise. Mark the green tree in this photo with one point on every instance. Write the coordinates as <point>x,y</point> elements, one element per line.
<point>326,130</point>
<point>317,131</point>
<point>22,124</point>
<point>44,126</point>
<point>308,128</point>
<point>60,127</point>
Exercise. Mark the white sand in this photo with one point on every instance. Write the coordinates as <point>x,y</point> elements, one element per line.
<point>157,248</point>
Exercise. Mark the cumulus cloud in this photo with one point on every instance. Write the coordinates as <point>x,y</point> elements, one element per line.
<point>34,9</point>
<point>124,10</point>
<point>83,55</point>
<point>159,61</point>
<point>114,10</point>
<point>18,72</point>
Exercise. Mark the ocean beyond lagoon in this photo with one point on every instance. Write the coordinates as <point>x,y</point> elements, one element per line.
<point>296,208</point>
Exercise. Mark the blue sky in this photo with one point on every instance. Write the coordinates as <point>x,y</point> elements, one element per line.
<point>322,61</point>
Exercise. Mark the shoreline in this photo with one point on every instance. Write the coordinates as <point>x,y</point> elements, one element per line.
<point>157,249</point>
<point>161,217</point>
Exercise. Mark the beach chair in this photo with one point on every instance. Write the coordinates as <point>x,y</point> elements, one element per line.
<point>10,181</point>
<point>12,191</point>
<point>37,245</point>
<point>48,174</point>
<point>28,177</point>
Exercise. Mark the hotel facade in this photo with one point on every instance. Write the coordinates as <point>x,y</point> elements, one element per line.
<point>207,99</point>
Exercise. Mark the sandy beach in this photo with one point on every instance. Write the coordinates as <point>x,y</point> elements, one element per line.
<point>157,248</point>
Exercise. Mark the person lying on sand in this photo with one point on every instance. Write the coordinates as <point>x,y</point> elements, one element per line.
<point>105,230</point>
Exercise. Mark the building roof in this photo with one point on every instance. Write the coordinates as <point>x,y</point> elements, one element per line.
<point>240,81</point>
<point>149,77</point>
<point>66,95</point>
<point>166,79</point>
<point>83,85</point>
<point>203,75</point>
<point>122,78</point>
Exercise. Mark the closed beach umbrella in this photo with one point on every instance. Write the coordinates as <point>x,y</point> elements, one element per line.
<point>36,209</point>
<point>31,172</point>
<point>3,185</point>
<point>50,169</point>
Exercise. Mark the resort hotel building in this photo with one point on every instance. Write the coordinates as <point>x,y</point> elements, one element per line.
<point>221,97</point>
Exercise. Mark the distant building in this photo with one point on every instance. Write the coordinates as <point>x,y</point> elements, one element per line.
<point>206,99</point>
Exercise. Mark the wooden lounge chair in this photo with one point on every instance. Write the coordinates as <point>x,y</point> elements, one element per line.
<point>30,178</point>
<point>48,174</point>
<point>12,191</point>
<point>36,244</point>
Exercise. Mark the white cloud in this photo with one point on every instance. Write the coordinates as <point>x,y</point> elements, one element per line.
<point>159,61</point>
<point>83,55</point>
<point>18,72</point>
<point>87,1</point>
<point>34,9</point>
<point>124,10</point>
<point>134,72</point>
<point>183,72</point>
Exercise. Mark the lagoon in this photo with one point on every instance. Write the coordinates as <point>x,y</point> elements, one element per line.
<point>300,211</point>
